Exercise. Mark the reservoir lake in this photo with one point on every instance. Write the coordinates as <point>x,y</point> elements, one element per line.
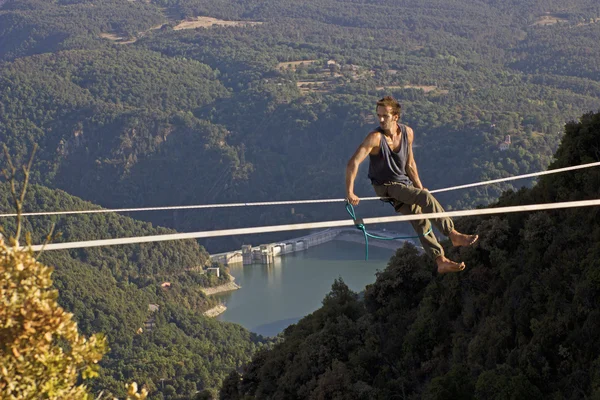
<point>274,296</point>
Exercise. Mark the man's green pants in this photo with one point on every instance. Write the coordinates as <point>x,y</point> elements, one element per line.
<point>410,200</point>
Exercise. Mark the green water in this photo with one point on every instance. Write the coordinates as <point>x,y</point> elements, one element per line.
<point>273,297</point>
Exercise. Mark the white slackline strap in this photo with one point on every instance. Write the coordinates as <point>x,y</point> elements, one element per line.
<point>313,225</point>
<point>292,202</point>
<point>533,174</point>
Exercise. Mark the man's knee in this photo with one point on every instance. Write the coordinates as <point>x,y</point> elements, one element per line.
<point>425,199</point>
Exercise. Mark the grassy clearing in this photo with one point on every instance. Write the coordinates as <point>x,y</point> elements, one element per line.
<point>294,64</point>
<point>207,22</point>
<point>549,19</point>
<point>116,39</point>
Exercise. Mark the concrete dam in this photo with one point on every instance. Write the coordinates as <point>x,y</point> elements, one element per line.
<point>265,253</point>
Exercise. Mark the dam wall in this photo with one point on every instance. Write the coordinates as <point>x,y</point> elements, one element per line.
<point>265,253</point>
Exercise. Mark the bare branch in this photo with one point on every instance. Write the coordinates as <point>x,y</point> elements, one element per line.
<point>27,171</point>
<point>49,238</point>
<point>18,199</point>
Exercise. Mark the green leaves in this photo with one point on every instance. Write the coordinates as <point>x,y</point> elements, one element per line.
<point>42,351</point>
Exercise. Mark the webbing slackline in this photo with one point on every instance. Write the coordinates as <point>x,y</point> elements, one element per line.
<point>304,226</point>
<point>311,225</point>
<point>294,202</point>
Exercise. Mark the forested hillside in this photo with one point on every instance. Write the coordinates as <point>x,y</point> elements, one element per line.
<point>179,102</point>
<point>520,322</point>
<point>109,290</point>
<point>150,103</point>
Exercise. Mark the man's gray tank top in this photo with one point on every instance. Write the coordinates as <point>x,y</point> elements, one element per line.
<point>388,166</point>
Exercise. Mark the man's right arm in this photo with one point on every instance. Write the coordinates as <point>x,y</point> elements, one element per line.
<point>371,142</point>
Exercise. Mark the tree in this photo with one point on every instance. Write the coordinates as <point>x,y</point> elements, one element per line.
<point>41,352</point>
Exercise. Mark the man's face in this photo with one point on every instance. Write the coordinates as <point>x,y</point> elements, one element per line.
<point>385,117</point>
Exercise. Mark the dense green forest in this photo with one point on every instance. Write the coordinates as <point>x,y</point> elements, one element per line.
<point>144,103</point>
<point>520,323</point>
<point>135,111</point>
<point>110,290</point>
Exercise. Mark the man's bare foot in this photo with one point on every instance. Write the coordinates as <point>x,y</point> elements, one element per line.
<point>445,265</point>
<point>460,239</point>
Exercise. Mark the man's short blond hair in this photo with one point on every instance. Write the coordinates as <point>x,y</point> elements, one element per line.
<point>389,101</point>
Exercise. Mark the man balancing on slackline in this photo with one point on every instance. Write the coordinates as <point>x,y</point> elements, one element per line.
<point>393,173</point>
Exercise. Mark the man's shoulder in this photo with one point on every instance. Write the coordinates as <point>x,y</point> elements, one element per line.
<point>409,130</point>
<point>373,138</point>
<point>374,134</point>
